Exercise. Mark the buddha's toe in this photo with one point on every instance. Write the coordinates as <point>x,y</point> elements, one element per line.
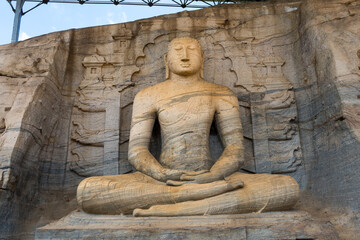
<point>138,212</point>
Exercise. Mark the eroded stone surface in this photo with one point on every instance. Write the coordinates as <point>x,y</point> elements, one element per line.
<point>317,40</point>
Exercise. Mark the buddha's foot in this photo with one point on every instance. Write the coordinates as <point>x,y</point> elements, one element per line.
<point>157,210</point>
<point>178,209</point>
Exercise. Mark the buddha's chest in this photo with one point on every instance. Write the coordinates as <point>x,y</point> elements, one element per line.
<point>187,109</point>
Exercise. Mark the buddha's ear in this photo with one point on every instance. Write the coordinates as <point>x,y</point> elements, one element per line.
<point>202,65</point>
<point>167,74</point>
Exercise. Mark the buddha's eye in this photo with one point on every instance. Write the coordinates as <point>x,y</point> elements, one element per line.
<point>178,47</point>
<point>191,47</point>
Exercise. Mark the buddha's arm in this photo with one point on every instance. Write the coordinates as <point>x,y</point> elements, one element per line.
<point>230,130</point>
<point>142,122</point>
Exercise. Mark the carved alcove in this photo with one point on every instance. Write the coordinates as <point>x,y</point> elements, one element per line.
<point>266,97</point>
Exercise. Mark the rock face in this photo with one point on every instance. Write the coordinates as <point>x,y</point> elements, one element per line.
<point>66,100</point>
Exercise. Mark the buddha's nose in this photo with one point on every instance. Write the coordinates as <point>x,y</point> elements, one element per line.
<point>184,56</point>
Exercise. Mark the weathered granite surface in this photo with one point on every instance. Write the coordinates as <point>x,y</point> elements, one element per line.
<point>253,226</point>
<point>293,65</point>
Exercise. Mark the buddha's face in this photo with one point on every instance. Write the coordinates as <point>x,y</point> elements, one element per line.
<point>184,56</point>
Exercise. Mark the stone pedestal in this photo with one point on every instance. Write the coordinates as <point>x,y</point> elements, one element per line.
<point>273,225</point>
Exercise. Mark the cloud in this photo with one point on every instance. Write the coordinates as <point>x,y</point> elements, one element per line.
<point>119,18</point>
<point>124,17</point>
<point>23,36</point>
<point>110,18</point>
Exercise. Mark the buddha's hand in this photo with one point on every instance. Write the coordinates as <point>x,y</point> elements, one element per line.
<point>175,175</point>
<point>204,177</point>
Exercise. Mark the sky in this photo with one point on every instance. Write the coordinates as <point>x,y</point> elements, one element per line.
<point>55,17</point>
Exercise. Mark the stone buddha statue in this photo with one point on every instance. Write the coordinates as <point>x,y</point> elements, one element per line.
<point>185,180</point>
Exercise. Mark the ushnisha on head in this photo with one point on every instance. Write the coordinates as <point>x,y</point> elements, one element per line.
<point>184,58</point>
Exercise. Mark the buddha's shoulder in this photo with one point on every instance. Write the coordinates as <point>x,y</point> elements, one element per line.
<point>217,88</point>
<point>151,91</point>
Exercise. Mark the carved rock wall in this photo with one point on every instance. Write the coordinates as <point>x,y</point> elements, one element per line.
<point>66,100</point>
<point>328,99</point>
<point>33,142</point>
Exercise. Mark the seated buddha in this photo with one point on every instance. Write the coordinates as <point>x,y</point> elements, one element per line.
<point>185,180</point>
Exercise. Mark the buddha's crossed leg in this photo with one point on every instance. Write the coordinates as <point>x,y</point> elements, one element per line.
<point>121,194</point>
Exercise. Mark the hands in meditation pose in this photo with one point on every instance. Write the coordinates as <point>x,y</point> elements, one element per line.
<point>184,180</point>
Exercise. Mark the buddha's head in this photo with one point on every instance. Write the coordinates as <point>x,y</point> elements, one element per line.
<point>184,57</point>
